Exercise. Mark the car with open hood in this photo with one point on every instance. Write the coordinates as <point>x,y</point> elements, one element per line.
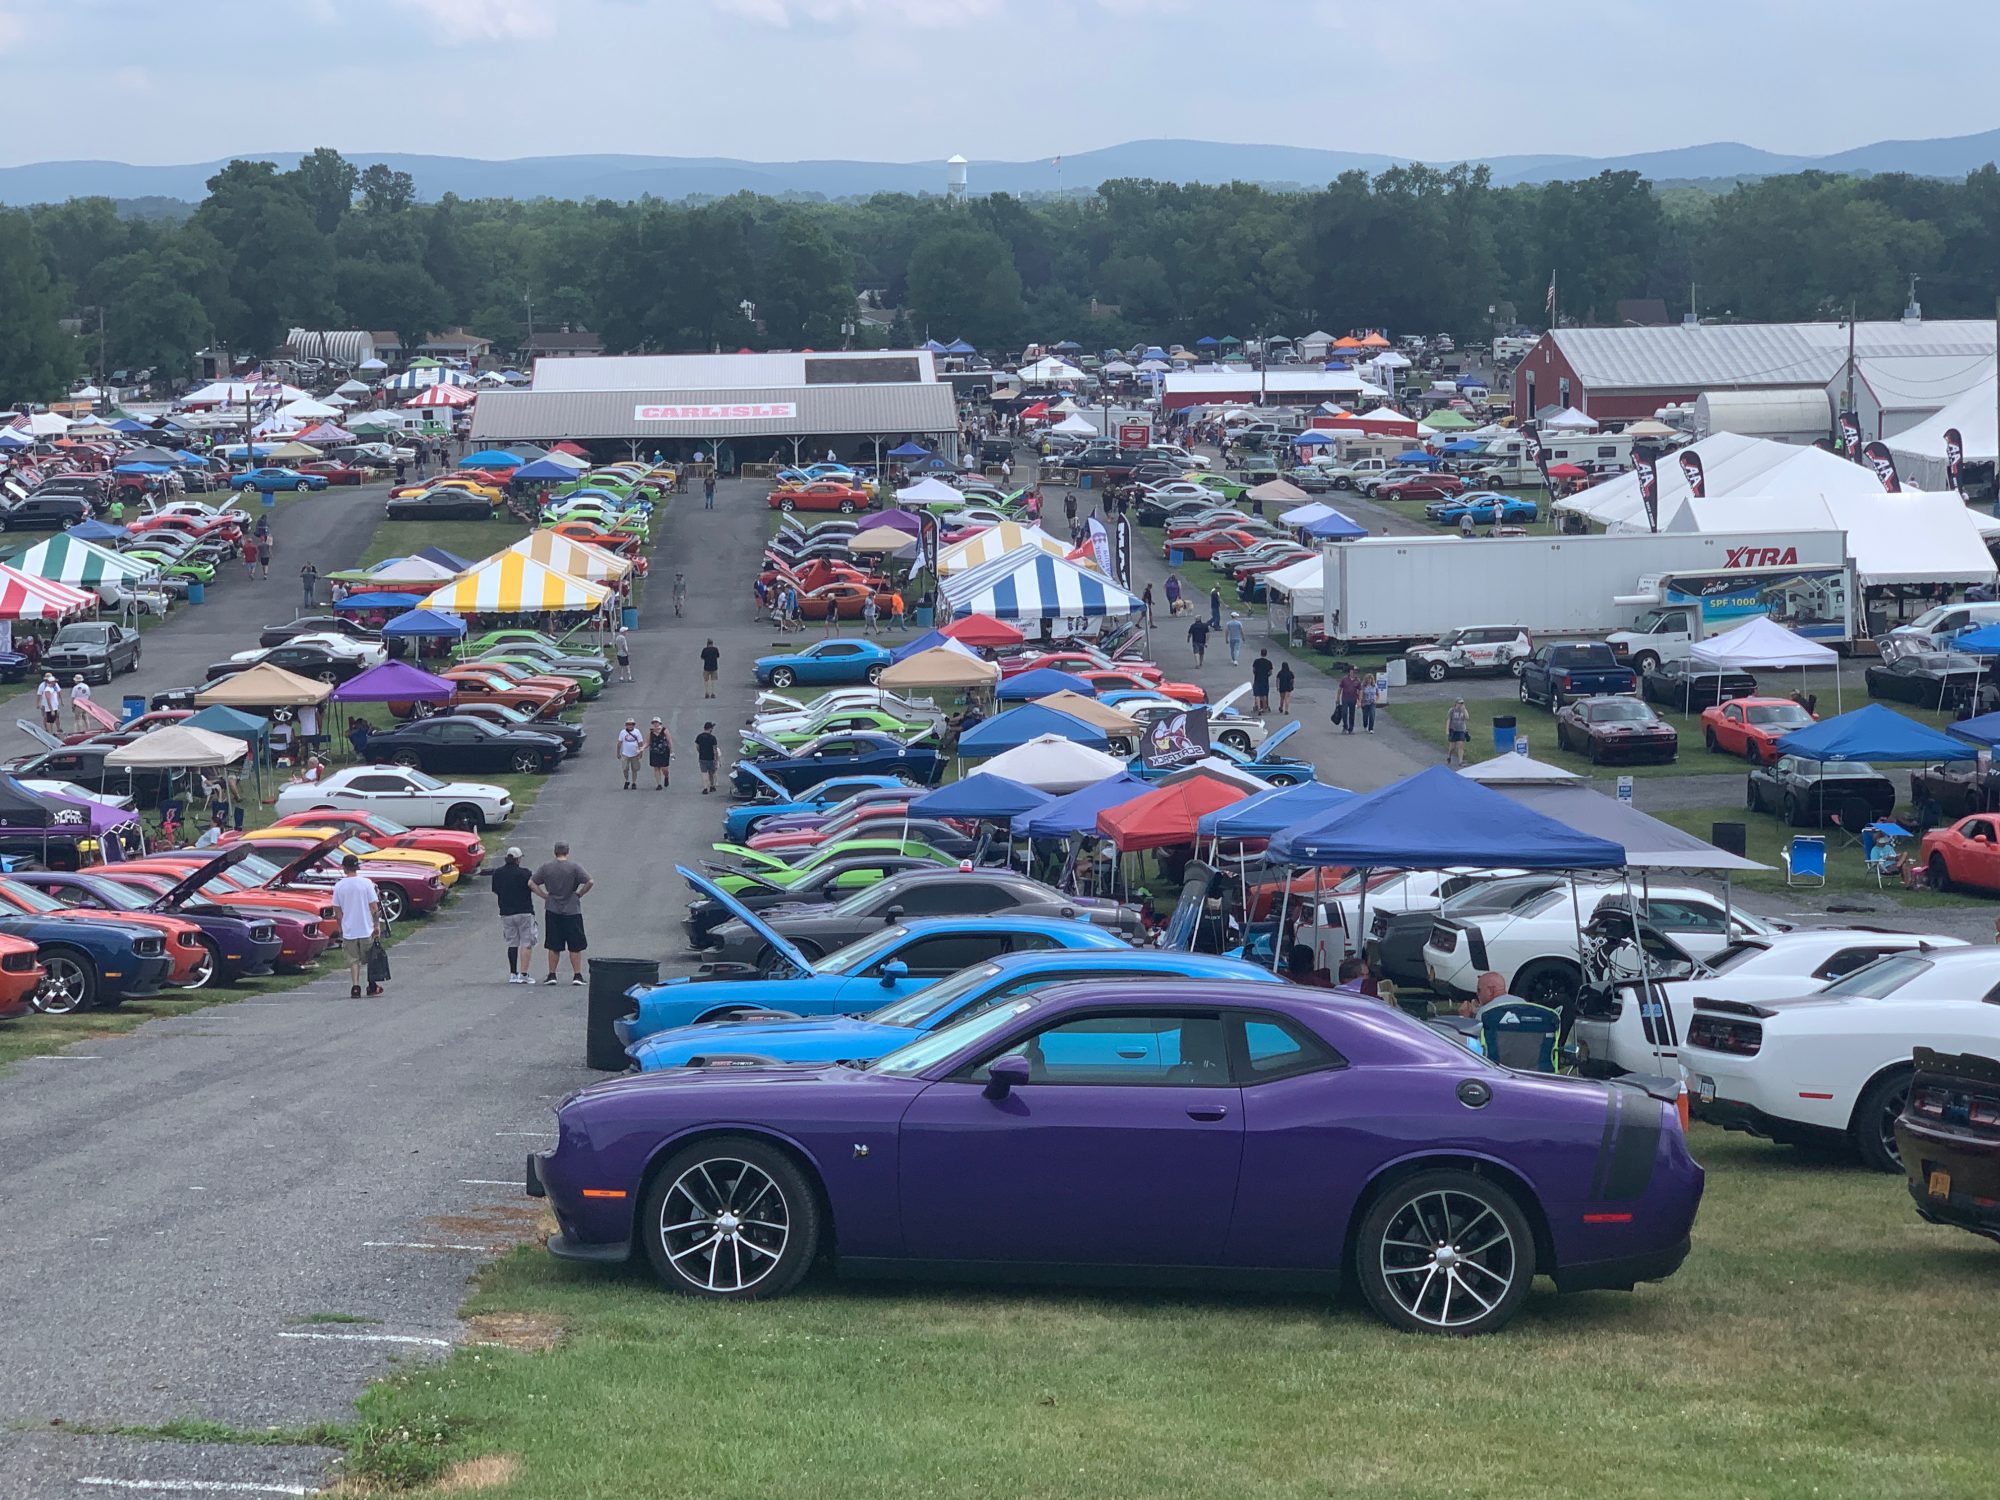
<point>1135,1128</point>
<point>861,1037</point>
<point>300,934</point>
<point>405,880</point>
<point>234,947</point>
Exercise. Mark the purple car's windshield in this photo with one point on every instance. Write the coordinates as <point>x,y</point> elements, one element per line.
<point>927,1051</point>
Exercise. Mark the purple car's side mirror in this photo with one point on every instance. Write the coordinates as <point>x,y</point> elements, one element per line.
<point>1005,1075</point>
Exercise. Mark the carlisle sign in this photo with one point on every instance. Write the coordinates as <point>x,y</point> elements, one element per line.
<point>731,412</point>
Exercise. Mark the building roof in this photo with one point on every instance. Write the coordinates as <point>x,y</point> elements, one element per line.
<point>1685,357</point>
<point>734,372</point>
<point>1249,382</point>
<point>776,411</point>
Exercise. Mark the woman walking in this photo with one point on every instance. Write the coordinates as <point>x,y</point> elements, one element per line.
<point>1370,695</point>
<point>1457,733</point>
<point>659,753</point>
<point>1286,682</point>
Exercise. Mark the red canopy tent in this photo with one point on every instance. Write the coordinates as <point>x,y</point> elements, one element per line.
<point>574,450</point>
<point>25,596</point>
<point>443,395</point>
<point>1167,815</point>
<point>1036,412</point>
<point>1565,471</point>
<point>982,630</point>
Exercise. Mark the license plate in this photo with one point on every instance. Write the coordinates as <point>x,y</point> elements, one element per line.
<point>1706,1087</point>
<point>1939,1185</point>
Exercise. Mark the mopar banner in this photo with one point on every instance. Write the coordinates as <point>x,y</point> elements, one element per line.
<point>1646,464</point>
<point>1100,547</point>
<point>1533,451</point>
<point>928,529</point>
<point>1884,464</point>
<point>1954,454</point>
<point>1124,552</point>
<point>1692,471</point>
<point>1175,740</point>
<point>1850,435</point>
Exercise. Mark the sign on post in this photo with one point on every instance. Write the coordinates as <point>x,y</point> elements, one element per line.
<point>1135,435</point>
<point>1625,790</point>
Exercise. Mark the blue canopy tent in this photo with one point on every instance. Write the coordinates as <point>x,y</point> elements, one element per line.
<point>378,599</point>
<point>97,531</point>
<point>1416,458</point>
<point>490,458</point>
<point>1471,382</point>
<point>1313,439</point>
<point>959,346</point>
<point>142,468</point>
<point>1334,527</point>
<point>547,469</point>
<point>980,795</point>
<point>929,640</point>
<point>1076,812</point>
<point>127,424</point>
<point>1873,732</point>
<point>934,347</point>
<point>425,624</point>
<point>1985,641</point>
<point>444,559</point>
<point>909,450</point>
<point>1436,819</point>
<point>1039,683</point>
<point>1984,730</point>
<point>1462,445</point>
<point>13,437</point>
<point>1205,342</point>
<point>1011,730</point>
<point>1264,814</point>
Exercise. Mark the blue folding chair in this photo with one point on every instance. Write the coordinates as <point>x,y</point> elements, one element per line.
<point>1520,1035</point>
<point>1805,860</point>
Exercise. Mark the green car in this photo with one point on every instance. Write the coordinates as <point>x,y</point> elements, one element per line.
<point>553,658</point>
<point>494,638</point>
<point>631,523</point>
<point>1222,484</point>
<point>772,869</point>
<point>173,567</point>
<point>589,683</point>
<point>911,731</point>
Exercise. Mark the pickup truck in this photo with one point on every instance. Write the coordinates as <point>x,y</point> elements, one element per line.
<point>97,649</point>
<point>1562,670</point>
<point>1350,475</point>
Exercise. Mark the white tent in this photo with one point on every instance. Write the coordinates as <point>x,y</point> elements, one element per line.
<point>237,392</point>
<point>1910,537</point>
<point>1080,426</point>
<point>1731,465</point>
<point>351,388</point>
<point>307,407</point>
<point>411,570</point>
<point>1919,451</point>
<point>1050,371</point>
<point>1509,769</point>
<point>1388,359</point>
<point>1052,764</point>
<point>48,424</point>
<point>1569,419</point>
<point>179,745</point>
<point>1304,583</point>
<point>1305,515</point>
<point>925,491</point>
<point>1118,367</point>
<point>1762,642</point>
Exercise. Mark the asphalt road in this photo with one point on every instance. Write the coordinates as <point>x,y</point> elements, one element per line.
<point>194,1202</point>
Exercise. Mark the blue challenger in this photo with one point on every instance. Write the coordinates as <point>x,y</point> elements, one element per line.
<point>828,663</point>
<point>1486,508</point>
<point>847,753</point>
<point>1264,761</point>
<point>269,479</point>
<point>828,797</point>
<point>89,964</point>
<point>965,994</point>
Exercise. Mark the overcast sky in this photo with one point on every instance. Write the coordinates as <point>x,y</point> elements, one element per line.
<point>160,81</point>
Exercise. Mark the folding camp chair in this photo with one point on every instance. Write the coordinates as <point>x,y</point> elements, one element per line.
<point>1519,1035</point>
<point>1878,848</point>
<point>1852,820</point>
<point>1805,860</point>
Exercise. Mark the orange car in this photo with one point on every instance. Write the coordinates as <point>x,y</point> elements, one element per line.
<point>20,976</point>
<point>1751,727</point>
<point>851,599</point>
<point>477,685</point>
<point>1963,853</point>
<point>592,535</point>
<point>1108,680</point>
<point>822,494</point>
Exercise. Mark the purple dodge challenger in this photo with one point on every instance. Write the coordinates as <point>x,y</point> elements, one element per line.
<point>1140,1131</point>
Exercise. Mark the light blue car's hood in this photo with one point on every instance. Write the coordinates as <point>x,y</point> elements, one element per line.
<point>821,1041</point>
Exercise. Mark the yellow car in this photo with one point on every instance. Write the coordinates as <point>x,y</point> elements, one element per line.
<point>446,867</point>
<point>491,494</point>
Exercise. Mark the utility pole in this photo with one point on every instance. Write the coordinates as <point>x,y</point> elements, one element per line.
<point>1847,400</point>
<point>528,349</point>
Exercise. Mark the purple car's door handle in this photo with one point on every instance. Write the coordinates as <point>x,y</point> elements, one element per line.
<point>1208,1111</point>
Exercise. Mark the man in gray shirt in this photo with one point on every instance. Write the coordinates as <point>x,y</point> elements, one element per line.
<point>562,884</point>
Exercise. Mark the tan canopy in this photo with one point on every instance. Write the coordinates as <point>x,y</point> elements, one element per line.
<point>1102,715</point>
<point>941,667</point>
<point>881,539</point>
<point>179,745</point>
<point>265,686</point>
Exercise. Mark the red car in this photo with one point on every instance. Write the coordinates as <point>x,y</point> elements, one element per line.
<point>1423,487</point>
<point>1078,662</point>
<point>822,494</point>
<point>870,820</point>
<point>1106,680</point>
<point>851,599</point>
<point>463,849</point>
<point>816,574</point>
<point>336,473</point>
<point>303,934</point>
<point>1963,853</point>
<point>1751,727</point>
<point>192,968</point>
<point>404,888</point>
<point>20,976</point>
<point>1211,542</point>
<point>203,529</point>
<point>625,545</point>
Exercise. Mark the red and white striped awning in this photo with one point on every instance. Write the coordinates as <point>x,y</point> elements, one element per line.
<point>443,395</point>
<point>23,596</point>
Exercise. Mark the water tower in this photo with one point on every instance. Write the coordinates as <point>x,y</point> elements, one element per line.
<point>954,180</point>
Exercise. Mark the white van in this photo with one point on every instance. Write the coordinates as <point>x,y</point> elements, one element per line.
<point>1937,627</point>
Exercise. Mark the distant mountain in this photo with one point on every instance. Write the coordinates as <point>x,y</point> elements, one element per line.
<point>626,177</point>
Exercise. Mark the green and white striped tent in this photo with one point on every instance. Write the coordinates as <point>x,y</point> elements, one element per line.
<point>81,564</point>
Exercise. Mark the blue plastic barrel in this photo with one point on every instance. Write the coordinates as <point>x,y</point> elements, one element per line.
<point>197,591</point>
<point>631,617</point>
<point>133,707</point>
<point>1503,733</point>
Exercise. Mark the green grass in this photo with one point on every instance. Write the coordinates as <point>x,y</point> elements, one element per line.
<point>474,539</point>
<point>1767,838</point>
<point>1821,1341</point>
<point>196,1430</point>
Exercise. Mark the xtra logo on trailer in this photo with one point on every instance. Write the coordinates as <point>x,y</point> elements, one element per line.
<point>747,410</point>
<point>1762,557</point>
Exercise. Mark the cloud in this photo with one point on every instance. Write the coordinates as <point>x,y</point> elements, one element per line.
<point>13,28</point>
<point>926,14</point>
<point>467,22</point>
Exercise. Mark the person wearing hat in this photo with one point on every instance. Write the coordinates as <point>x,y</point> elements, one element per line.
<point>511,885</point>
<point>48,697</point>
<point>629,746</point>
<point>659,753</point>
<point>79,694</point>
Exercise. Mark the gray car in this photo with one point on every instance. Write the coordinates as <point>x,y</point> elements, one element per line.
<point>819,929</point>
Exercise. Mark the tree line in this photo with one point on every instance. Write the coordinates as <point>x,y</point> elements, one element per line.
<point>1412,249</point>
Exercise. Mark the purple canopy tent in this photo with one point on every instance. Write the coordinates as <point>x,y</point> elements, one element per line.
<point>395,682</point>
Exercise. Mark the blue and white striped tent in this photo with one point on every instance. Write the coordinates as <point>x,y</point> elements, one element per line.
<point>424,377</point>
<point>1029,584</point>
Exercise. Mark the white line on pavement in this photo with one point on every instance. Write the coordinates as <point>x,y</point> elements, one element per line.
<point>512,1182</point>
<point>196,1486</point>
<point>418,1245</point>
<point>65,1057</point>
<point>550,1131</point>
<point>367,1338</point>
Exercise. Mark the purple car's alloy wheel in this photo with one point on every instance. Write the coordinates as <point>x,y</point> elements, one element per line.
<point>724,1224</point>
<point>1449,1259</point>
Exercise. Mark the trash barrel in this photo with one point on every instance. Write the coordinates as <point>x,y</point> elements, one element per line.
<point>1175,557</point>
<point>270,499</point>
<point>1730,838</point>
<point>630,616</point>
<point>610,978</point>
<point>132,708</point>
<point>1397,673</point>
<point>1503,733</point>
<point>196,591</point>
<point>922,615</point>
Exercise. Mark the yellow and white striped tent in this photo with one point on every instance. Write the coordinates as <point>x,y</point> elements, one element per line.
<point>578,559</point>
<point>509,583</point>
<point>997,541</point>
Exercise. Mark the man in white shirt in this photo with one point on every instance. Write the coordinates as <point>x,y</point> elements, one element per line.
<point>48,698</point>
<point>355,897</point>
<point>79,694</point>
<point>630,745</point>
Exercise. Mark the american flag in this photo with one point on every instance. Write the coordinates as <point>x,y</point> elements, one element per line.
<point>1550,302</point>
<point>1057,162</point>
